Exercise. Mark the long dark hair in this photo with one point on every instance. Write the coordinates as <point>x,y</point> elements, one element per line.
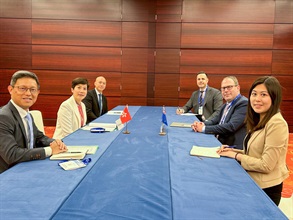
<point>274,88</point>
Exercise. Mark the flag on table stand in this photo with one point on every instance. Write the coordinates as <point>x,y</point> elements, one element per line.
<point>125,117</point>
<point>164,122</point>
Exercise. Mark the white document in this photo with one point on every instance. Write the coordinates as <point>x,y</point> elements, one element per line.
<point>86,149</point>
<point>113,112</point>
<point>205,151</point>
<point>106,126</point>
<point>181,125</point>
<point>119,124</point>
<point>72,164</point>
<point>188,114</point>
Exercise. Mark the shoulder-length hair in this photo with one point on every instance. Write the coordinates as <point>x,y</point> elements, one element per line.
<point>274,88</point>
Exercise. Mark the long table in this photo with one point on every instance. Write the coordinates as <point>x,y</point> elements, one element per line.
<point>141,175</point>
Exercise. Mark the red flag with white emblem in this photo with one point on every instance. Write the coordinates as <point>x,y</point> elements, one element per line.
<point>125,116</point>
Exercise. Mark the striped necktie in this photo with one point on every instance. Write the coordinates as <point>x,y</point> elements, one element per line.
<point>100,103</point>
<point>200,98</point>
<point>30,135</point>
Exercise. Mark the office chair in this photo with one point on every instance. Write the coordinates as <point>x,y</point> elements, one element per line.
<point>38,119</point>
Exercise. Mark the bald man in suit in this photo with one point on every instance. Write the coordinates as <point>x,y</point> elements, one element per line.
<point>206,101</point>
<point>91,101</point>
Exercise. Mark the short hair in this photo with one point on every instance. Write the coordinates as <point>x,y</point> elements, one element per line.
<point>235,80</point>
<point>275,92</point>
<point>202,72</point>
<point>79,80</point>
<point>24,74</point>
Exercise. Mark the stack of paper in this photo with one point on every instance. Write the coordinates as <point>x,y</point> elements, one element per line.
<point>181,125</point>
<point>205,151</point>
<point>106,126</point>
<point>75,152</point>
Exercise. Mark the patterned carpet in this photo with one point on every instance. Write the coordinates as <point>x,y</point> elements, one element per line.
<point>288,183</point>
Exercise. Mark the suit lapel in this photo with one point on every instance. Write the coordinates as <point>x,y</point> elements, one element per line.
<point>18,120</point>
<point>74,107</point>
<point>253,137</point>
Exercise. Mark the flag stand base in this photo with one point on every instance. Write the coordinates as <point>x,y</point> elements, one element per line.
<point>162,133</point>
<point>126,132</point>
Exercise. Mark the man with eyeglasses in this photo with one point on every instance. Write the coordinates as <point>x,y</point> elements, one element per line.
<point>228,125</point>
<point>205,102</point>
<point>20,139</point>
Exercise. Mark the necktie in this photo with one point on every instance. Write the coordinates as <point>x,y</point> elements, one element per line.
<point>200,98</point>
<point>81,115</point>
<point>100,103</point>
<point>30,134</point>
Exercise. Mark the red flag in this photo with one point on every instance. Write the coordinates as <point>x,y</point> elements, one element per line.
<point>125,116</point>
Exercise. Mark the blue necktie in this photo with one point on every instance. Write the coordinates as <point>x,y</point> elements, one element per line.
<point>30,134</point>
<point>100,103</point>
<point>200,98</point>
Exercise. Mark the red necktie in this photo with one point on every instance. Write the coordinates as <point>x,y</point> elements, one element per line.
<point>81,115</point>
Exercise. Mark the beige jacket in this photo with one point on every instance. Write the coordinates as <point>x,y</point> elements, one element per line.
<point>68,118</point>
<point>265,159</point>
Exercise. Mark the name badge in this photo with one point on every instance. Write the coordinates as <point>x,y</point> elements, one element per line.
<point>200,110</point>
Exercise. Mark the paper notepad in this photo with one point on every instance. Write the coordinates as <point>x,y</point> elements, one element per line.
<point>72,164</point>
<point>205,151</point>
<point>68,156</point>
<point>75,152</point>
<point>89,149</point>
<point>181,125</point>
<point>107,126</point>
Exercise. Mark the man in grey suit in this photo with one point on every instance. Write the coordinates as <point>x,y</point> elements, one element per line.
<point>228,125</point>
<point>20,139</point>
<point>206,101</point>
<point>95,99</point>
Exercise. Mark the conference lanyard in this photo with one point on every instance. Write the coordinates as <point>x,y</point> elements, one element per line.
<point>203,96</point>
<point>227,108</point>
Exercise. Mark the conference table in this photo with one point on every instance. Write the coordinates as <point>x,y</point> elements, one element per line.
<point>141,175</point>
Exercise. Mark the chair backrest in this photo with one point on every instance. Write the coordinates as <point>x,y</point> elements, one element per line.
<point>38,119</point>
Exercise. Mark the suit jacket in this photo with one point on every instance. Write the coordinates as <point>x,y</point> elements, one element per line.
<point>233,130</point>
<point>92,105</point>
<point>13,139</point>
<point>213,101</point>
<point>68,118</point>
<point>265,159</point>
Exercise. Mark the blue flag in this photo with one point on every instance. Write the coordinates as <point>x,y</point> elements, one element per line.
<point>164,117</point>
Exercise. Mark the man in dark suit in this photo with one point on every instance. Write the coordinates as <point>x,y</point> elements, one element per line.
<point>20,140</point>
<point>95,102</point>
<point>206,101</point>
<point>228,125</point>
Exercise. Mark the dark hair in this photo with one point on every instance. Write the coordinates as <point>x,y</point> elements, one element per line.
<point>23,74</point>
<point>202,72</point>
<point>274,88</point>
<point>79,80</point>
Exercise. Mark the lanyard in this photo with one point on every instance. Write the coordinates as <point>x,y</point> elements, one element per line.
<point>203,96</point>
<point>227,108</point>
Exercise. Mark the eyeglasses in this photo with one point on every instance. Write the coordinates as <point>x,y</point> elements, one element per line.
<point>22,89</point>
<point>227,87</point>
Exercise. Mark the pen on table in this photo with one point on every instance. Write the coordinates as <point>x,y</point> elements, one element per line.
<point>73,152</point>
<point>232,146</point>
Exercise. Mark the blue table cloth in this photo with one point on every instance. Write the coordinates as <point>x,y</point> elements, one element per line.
<point>141,175</point>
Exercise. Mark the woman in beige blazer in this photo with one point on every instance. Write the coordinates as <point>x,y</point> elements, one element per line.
<point>266,143</point>
<point>72,112</point>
